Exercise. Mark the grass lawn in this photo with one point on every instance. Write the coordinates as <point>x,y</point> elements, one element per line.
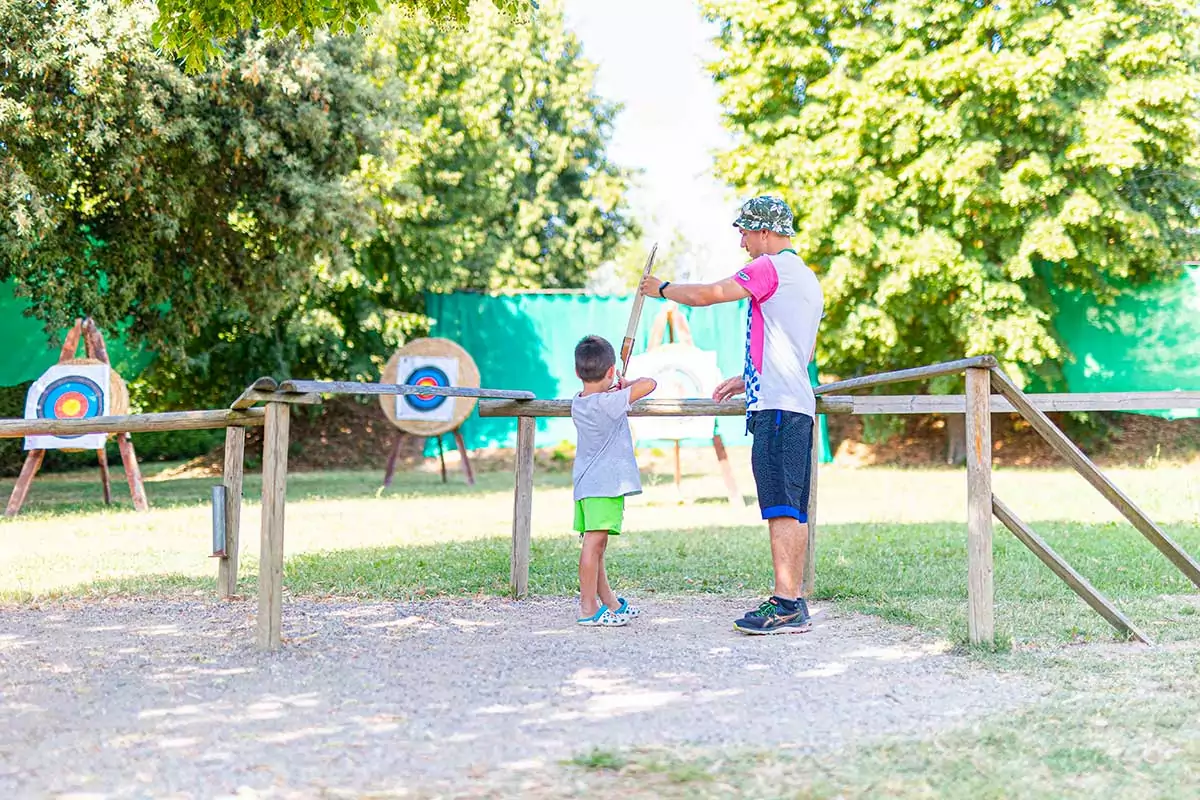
<point>1124,722</point>
<point>1120,725</point>
<point>890,542</point>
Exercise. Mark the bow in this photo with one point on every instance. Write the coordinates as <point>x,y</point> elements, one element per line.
<point>635,315</point>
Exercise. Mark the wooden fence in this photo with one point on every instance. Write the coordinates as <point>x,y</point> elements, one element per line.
<point>983,377</point>
<point>978,404</point>
<point>276,418</point>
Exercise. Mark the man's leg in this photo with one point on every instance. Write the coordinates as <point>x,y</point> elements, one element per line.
<point>789,546</point>
<point>782,447</point>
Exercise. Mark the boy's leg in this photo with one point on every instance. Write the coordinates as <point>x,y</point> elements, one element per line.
<point>590,559</point>
<point>609,517</point>
<point>607,595</point>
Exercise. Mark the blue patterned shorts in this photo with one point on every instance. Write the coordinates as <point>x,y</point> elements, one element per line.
<point>782,462</point>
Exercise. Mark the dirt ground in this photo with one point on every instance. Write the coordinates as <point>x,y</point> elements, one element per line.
<point>466,698</point>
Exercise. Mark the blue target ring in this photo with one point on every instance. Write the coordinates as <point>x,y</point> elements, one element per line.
<point>72,397</point>
<point>426,376</point>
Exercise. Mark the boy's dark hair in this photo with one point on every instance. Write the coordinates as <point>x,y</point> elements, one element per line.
<point>593,356</point>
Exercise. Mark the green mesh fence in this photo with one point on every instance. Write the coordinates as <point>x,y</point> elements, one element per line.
<point>527,341</point>
<point>1148,341</point>
<point>27,352</point>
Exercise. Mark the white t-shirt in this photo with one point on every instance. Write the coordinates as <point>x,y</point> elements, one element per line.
<point>786,304</point>
<point>605,465</point>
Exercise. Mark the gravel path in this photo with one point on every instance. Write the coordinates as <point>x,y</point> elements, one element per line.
<point>169,698</point>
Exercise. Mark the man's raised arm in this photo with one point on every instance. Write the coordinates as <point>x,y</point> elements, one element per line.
<point>694,294</point>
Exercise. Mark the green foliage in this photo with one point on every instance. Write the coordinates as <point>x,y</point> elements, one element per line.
<point>283,213</point>
<point>950,162</point>
<point>195,29</point>
<point>675,260</point>
<point>499,179</point>
<point>133,190</point>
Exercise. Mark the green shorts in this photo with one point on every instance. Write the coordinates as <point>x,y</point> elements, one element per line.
<point>599,514</point>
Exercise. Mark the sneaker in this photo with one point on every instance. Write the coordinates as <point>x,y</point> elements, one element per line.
<point>774,617</point>
<point>603,619</point>
<point>626,610</point>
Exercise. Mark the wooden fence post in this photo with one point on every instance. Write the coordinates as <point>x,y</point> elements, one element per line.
<point>809,574</point>
<point>522,508</point>
<point>274,489</point>
<point>235,461</point>
<point>980,619</point>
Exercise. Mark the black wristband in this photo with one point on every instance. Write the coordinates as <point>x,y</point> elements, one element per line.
<point>662,287</point>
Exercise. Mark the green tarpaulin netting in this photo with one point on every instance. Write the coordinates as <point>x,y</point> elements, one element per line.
<point>527,341</point>
<point>1148,341</point>
<point>27,353</point>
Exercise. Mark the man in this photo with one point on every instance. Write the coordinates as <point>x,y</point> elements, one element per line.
<point>786,304</point>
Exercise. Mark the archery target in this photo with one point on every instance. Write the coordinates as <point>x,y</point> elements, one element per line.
<point>426,371</point>
<point>682,371</point>
<point>429,362</point>
<point>69,391</point>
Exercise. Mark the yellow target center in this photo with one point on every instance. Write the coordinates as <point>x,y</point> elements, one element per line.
<point>71,407</point>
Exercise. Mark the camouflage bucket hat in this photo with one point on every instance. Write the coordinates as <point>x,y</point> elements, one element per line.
<point>765,214</point>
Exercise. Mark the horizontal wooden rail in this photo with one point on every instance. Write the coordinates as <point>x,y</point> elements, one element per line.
<point>905,375</point>
<point>642,408</point>
<point>355,387</point>
<point>266,390</point>
<point>133,423</point>
<point>1070,401</point>
<point>251,396</point>
<point>868,404</point>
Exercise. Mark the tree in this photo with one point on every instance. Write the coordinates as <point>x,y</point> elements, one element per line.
<point>953,163</point>
<point>133,191</point>
<point>500,180</point>
<point>197,30</point>
<point>676,259</point>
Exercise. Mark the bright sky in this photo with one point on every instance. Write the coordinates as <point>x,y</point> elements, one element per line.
<point>650,56</point>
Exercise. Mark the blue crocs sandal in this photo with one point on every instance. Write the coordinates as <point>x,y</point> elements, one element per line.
<point>603,619</point>
<point>626,610</point>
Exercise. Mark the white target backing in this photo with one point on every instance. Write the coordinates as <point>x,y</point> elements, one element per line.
<point>429,362</point>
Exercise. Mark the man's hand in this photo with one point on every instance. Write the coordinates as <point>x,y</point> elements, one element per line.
<point>730,387</point>
<point>649,286</point>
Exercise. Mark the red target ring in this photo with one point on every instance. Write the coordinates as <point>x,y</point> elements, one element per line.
<point>72,405</point>
<point>428,380</point>
<point>73,397</point>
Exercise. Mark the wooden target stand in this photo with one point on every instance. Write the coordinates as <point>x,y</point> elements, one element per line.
<point>430,352</point>
<point>118,400</point>
<point>673,326</point>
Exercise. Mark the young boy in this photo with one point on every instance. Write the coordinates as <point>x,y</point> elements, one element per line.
<point>605,472</point>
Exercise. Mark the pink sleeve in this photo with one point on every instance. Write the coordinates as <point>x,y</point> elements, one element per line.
<point>760,278</point>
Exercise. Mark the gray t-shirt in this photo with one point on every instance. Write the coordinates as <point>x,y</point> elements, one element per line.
<point>605,465</point>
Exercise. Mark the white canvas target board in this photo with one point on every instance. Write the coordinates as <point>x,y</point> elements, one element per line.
<point>682,371</point>
<point>69,391</point>
<point>426,371</point>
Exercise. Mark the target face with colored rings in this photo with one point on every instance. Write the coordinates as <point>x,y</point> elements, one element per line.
<point>73,397</point>
<point>426,376</point>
